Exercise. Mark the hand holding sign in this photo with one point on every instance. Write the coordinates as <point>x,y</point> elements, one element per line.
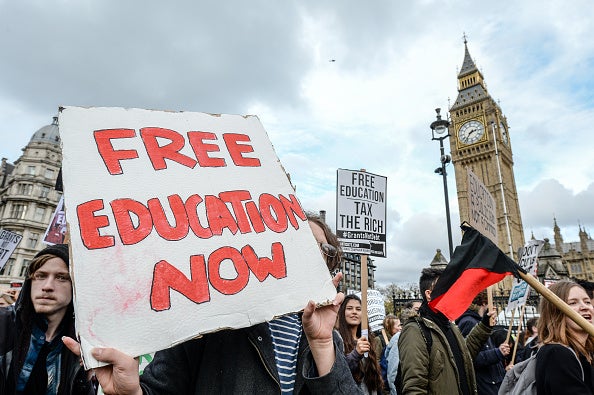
<point>318,325</point>
<point>120,376</point>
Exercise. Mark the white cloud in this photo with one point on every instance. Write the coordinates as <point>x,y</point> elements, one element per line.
<point>370,108</point>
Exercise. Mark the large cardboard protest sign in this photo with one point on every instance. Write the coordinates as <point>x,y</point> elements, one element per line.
<point>528,261</point>
<point>361,212</point>
<point>180,224</point>
<point>481,208</point>
<point>8,242</point>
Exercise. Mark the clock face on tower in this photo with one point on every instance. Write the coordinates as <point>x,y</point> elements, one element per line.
<point>471,132</point>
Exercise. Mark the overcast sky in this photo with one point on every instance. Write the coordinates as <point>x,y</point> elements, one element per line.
<point>336,84</point>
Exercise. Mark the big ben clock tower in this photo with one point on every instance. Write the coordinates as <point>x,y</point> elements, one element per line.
<point>481,142</point>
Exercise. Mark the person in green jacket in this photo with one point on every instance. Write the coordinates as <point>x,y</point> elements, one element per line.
<point>434,356</point>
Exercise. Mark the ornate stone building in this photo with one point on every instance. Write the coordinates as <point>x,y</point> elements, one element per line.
<point>28,198</point>
<point>578,257</point>
<point>481,142</point>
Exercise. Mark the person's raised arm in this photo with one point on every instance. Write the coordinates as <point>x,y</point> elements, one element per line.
<point>119,377</point>
<point>318,324</point>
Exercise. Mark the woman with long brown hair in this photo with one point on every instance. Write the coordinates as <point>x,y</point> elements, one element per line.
<point>564,361</point>
<point>365,369</point>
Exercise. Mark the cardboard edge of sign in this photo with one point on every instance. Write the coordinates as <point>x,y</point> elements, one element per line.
<point>90,363</point>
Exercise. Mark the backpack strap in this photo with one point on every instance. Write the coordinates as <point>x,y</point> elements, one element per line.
<point>579,362</point>
<point>425,332</point>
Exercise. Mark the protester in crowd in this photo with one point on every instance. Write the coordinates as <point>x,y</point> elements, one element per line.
<point>528,340</point>
<point>434,356</point>
<point>393,357</point>
<point>490,362</point>
<point>361,357</point>
<point>247,360</point>
<point>564,361</point>
<point>390,326</point>
<point>33,359</point>
<point>529,333</point>
<point>413,304</point>
<point>500,336</point>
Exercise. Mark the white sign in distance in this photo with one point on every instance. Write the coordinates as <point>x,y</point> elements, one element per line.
<point>8,242</point>
<point>481,208</point>
<point>361,212</point>
<point>529,262</point>
<point>376,310</point>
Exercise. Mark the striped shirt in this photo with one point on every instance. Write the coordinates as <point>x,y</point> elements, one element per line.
<point>286,334</point>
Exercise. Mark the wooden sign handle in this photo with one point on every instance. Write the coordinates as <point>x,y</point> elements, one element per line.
<point>364,281</point>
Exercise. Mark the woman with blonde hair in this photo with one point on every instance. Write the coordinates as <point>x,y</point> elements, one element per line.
<point>390,326</point>
<point>564,361</point>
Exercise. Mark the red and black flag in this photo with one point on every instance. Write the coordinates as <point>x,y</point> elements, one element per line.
<point>475,264</point>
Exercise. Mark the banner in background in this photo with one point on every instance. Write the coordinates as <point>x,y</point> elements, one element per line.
<point>8,242</point>
<point>361,212</point>
<point>528,261</point>
<point>56,230</point>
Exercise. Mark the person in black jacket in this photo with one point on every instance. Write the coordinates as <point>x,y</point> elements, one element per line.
<point>564,361</point>
<point>246,360</point>
<point>489,364</point>
<point>33,359</point>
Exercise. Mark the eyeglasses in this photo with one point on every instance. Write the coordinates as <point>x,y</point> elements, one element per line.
<point>42,276</point>
<point>328,249</point>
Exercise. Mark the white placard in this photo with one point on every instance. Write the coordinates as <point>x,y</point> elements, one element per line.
<point>56,230</point>
<point>529,262</point>
<point>8,242</point>
<point>361,212</point>
<point>481,208</point>
<point>376,310</point>
<point>180,224</point>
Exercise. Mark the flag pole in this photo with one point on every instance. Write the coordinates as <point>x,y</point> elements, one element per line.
<point>560,304</point>
<point>511,324</point>
<point>523,309</point>
<point>490,305</point>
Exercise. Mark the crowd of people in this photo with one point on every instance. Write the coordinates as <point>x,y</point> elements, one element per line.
<point>323,349</point>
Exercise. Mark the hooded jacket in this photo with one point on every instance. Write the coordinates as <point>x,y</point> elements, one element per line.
<point>438,373</point>
<point>16,327</point>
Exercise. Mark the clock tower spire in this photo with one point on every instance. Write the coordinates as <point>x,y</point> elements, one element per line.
<point>480,142</point>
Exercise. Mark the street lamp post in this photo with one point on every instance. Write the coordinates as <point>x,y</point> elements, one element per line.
<point>440,131</point>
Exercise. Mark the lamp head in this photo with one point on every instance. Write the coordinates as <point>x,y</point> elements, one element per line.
<point>439,126</point>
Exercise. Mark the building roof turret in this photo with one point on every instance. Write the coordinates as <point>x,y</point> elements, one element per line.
<point>48,134</point>
<point>468,65</point>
